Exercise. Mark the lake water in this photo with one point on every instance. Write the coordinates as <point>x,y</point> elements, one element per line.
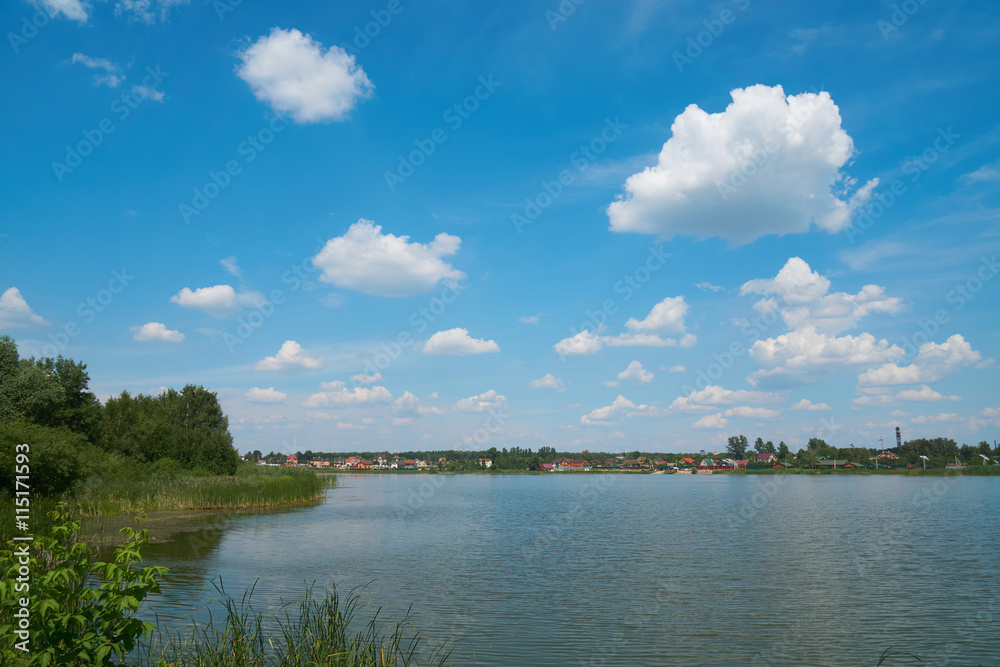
<point>632,569</point>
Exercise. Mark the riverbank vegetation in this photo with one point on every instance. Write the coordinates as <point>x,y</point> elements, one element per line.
<point>131,454</point>
<point>82,611</point>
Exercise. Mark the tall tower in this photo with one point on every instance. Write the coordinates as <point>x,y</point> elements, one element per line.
<point>899,439</point>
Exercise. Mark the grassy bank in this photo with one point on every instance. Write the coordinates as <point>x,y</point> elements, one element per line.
<point>252,487</point>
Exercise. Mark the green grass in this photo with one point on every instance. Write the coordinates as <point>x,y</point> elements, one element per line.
<point>317,631</point>
<point>252,487</point>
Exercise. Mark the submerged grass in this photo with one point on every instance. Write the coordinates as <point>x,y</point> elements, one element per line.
<point>317,631</point>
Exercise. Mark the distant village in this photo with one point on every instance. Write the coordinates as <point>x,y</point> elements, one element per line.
<point>681,465</point>
<point>740,454</point>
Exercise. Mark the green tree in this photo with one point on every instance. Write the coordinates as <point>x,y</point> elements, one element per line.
<point>737,446</point>
<point>30,394</point>
<point>79,410</point>
<point>783,451</point>
<point>52,458</point>
<point>817,445</point>
<point>10,360</point>
<point>807,458</point>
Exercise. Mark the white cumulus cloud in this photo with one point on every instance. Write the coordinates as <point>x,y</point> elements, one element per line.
<point>337,393</point>
<point>411,404</point>
<point>15,311</point>
<point>716,421</point>
<point>217,300</point>
<point>802,297</point>
<point>666,317</point>
<point>621,406</point>
<point>488,400</point>
<point>269,395</point>
<point>156,331</point>
<point>806,404</point>
<point>712,396</point>
<point>549,381</point>
<point>368,261</point>
<point>458,342</point>
<point>768,164</point>
<point>290,357</point>
<point>932,362</point>
<point>636,373</point>
<point>293,74</point>
<point>923,393</point>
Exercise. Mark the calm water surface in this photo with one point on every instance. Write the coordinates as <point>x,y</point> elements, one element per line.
<point>632,570</point>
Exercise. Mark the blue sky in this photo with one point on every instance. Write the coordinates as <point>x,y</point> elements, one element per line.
<point>598,225</point>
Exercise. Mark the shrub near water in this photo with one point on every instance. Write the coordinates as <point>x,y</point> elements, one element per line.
<point>71,622</point>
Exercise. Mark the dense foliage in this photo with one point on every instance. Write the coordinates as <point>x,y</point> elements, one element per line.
<point>73,619</point>
<point>47,403</point>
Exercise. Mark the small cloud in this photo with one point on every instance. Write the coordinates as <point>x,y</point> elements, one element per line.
<point>75,10</point>
<point>985,174</point>
<point>269,395</point>
<point>290,357</point>
<point>673,369</point>
<point>806,404</point>
<point>709,287</point>
<point>218,300</point>
<point>293,74</point>
<point>361,378</point>
<point>15,312</point>
<point>144,11</point>
<point>488,400</point>
<point>111,77</point>
<point>347,426</point>
<point>530,319</point>
<point>636,373</point>
<point>231,267</point>
<point>156,331</point>
<point>549,381</point>
<point>333,300</point>
<point>924,393</point>
<point>336,393</point>
<point>366,260</point>
<point>458,342</point>
<point>144,93</point>
<point>716,421</point>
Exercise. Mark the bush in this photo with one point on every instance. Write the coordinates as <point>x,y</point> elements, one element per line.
<point>70,622</point>
<point>53,457</point>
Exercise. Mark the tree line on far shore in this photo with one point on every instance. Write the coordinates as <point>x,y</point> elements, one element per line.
<point>939,452</point>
